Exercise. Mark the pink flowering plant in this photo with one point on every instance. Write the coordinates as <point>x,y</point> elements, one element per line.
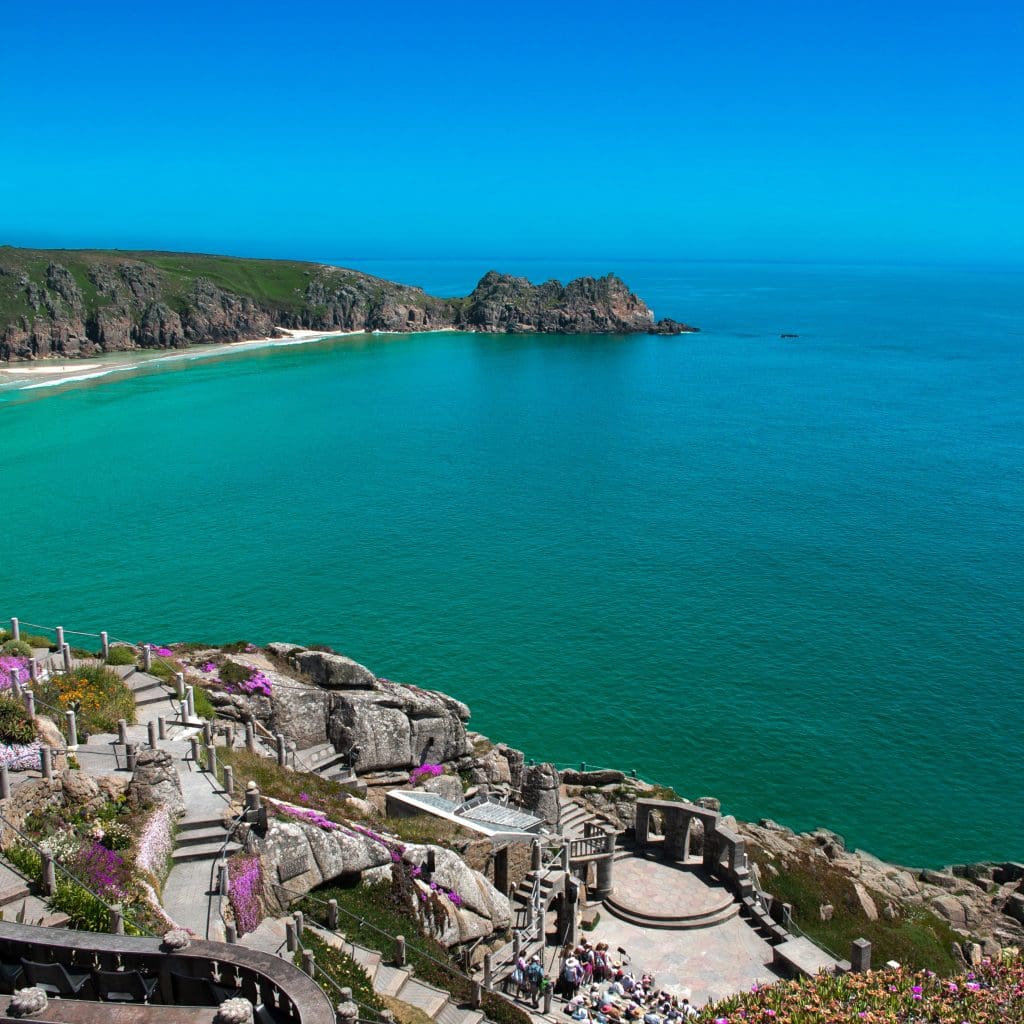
<point>245,892</point>
<point>425,771</point>
<point>10,663</point>
<point>20,757</point>
<point>155,843</point>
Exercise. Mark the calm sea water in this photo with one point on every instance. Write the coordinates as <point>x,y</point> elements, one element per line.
<point>787,573</point>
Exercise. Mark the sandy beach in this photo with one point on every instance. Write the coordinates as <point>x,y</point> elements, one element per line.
<point>49,373</point>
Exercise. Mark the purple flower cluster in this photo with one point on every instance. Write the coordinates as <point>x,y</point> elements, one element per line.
<point>208,666</point>
<point>164,652</point>
<point>245,892</point>
<point>427,770</point>
<point>10,663</point>
<point>309,815</point>
<point>257,684</point>
<point>104,871</point>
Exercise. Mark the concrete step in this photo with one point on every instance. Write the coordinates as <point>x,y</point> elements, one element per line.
<point>147,698</point>
<point>368,959</point>
<point>202,835</point>
<point>424,997</point>
<point>10,893</point>
<point>725,911</point>
<point>390,980</point>
<point>452,1014</point>
<point>204,851</point>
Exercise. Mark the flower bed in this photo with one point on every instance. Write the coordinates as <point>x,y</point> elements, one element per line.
<point>990,994</point>
<point>155,844</point>
<point>245,892</point>
<point>20,757</point>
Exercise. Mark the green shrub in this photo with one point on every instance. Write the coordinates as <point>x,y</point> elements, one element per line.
<point>233,673</point>
<point>121,654</point>
<point>100,695</point>
<point>238,647</point>
<point>17,649</point>
<point>204,709</point>
<point>342,970</point>
<point>15,725</point>
<point>34,640</point>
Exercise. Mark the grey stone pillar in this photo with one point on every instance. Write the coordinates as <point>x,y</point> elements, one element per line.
<point>105,646</point>
<point>229,779</point>
<point>49,881</point>
<point>130,756</point>
<point>548,994</point>
<point>300,922</point>
<point>230,934</point>
<point>147,657</point>
<point>5,783</point>
<point>60,638</point>
<point>211,761</point>
<point>252,796</point>
<point>161,728</point>
<point>250,737</point>
<point>399,950</point>
<point>122,731</point>
<point>33,669</point>
<point>281,751</point>
<point>15,629</point>
<point>566,855</point>
<point>151,729</point>
<point>489,972</point>
<point>66,653</point>
<point>179,685</point>
<point>860,955</point>
<point>604,884</point>
<point>332,915</point>
<point>535,855</point>
<point>308,962</point>
<point>207,732</point>
<point>72,721</point>
<point>30,704</point>
<point>194,744</point>
<point>46,762</point>
<point>291,939</point>
<point>116,919</point>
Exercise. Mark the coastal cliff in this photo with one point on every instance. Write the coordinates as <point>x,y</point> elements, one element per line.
<point>71,303</point>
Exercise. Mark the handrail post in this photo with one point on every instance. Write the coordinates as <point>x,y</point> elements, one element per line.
<point>211,761</point>
<point>130,756</point>
<point>489,972</point>
<point>151,729</point>
<point>5,782</point>
<point>332,915</point>
<point>300,922</point>
<point>252,796</point>
<point>281,758</point>
<point>105,646</point>
<point>179,685</point>
<point>46,762</point>
<point>16,683</point>
<point>122,731</point>
<point>15,629</point>
<point>66,654</point>
<point>308,962</point>
<point>30,703</point>
<point>250,737</point>
<point>399,950</point>
<point>49,881</point>
<point>33,669</point>
<point>291,940</point>
<point>161,727</point>
<point>229,779</point>
<point>116,919</point>
<point>60,638</point>
<point>72,720</point>
<point>147,657</point>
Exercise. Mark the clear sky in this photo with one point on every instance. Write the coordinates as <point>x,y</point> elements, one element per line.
<point>884,130</point>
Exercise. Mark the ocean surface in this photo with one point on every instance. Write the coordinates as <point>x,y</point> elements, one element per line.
<point>787,572</point>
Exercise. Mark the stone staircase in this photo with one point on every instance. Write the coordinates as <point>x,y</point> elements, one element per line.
<point>574,817</point>
<point>325,761</point>
<point>201,837</point>
<point>400,983</point>
<point>19,905</point>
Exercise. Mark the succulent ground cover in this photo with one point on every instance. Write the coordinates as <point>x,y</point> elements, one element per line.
<point>992,993</point>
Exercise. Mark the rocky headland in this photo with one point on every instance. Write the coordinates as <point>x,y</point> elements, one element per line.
<point>80,303</point>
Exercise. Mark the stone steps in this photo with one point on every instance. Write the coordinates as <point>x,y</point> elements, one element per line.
<point>389,980</point>
<point>688,922</point>
<point>424,997</point>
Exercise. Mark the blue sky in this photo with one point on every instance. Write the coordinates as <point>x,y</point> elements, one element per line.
<point>869,130</point>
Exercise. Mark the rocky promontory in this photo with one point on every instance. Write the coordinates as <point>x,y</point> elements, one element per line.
<point>70,303</point>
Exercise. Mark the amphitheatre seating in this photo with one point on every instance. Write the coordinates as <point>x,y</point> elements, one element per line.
<point>125,986</point>
<point>56,980</point>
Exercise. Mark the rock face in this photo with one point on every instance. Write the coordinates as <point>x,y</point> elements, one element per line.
<point>383,725</point>
<point>80,303</point>
<point>155,781</point>
<point>540,792</point>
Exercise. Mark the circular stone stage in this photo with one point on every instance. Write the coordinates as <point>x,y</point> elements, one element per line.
<point>652,894</point>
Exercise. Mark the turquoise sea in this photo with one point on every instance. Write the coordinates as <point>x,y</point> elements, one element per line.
<point>785,572</point>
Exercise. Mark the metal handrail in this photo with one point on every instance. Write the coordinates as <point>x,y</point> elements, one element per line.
<point>380,931</point>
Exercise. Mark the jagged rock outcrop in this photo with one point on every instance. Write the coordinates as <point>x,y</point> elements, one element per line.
<point>155,781</point>
<point>87,302</point>
<point>540,792</point>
